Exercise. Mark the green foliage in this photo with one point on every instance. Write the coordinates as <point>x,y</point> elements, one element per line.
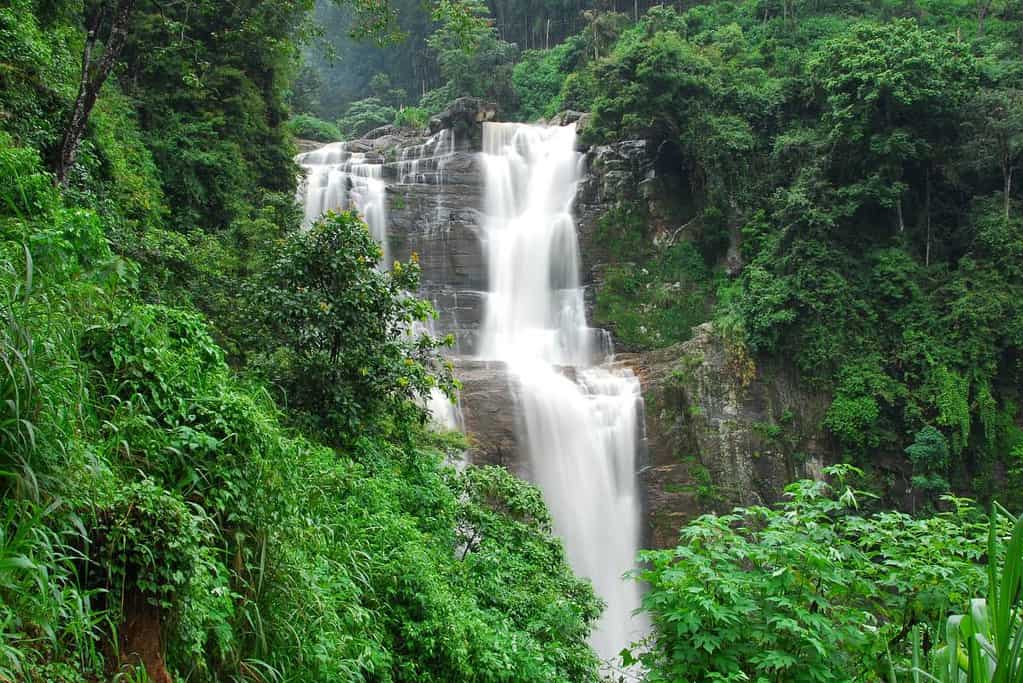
<point>136,465</point>
<point>809,591</point>
<point>649,296</point>
<point>37,76</point>
<point>647,88</point>
<point>539,77</point>
<point>953,403</point>
<point>855,411</point>
<point>147,541</point>
<point>891,91</point>
<point>931,459</point>
<point>309,127</point>
<point>337,331</point>
<point>472,59</point>
<point>365,115</point>
<point>985,643</point>
<point>412,117</point>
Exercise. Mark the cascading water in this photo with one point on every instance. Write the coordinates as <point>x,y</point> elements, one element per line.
<point>337,178</point>
<point>581,416</point>
<point>581,423</point>
<point>424,164</point>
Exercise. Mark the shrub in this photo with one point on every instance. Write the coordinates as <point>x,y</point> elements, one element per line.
<point>309,127</point>
<point>148,542</point>
<point>808,591</point>
<point>411,117</point>
<point>337,331</point>
<point>365,115</point>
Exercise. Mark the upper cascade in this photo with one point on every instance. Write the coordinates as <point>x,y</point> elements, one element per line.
<point>338,178</point>
<point>535,303</point>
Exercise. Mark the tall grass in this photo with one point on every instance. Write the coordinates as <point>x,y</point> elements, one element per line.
<point>46,616</point>
<point>985,644</point>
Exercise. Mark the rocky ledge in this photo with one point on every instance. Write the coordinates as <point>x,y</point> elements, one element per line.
<point>721,431</point>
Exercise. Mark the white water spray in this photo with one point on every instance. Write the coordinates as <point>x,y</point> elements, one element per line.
<point>582,423</point>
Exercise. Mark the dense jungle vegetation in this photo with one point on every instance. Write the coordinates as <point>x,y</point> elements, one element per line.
<point>214,462</point>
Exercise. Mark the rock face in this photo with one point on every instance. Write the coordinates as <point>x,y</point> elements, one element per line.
<point>721,432</point>
<point>628,172</point>
<point>490,416</point>
<point>718,431</point>
<point>440,222</point>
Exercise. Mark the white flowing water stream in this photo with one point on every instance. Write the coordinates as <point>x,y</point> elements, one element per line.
<point>581,417</point>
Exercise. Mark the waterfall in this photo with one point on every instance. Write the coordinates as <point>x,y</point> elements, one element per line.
<point>337,178</point>
<point>424,164</point>
<point>581,416</point>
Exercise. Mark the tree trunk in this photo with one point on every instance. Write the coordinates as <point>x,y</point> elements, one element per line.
<point>94,75</point>
<point>1007,188</point>
<point>898,212</point>
<point>141,638</point>
<point>983,6</point>
<point>927,218</point>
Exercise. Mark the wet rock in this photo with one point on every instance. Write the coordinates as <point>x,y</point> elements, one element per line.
<point>305,146</point>
<point>388,130</point>
<point>721,432</point>
<point>567,117</point>
<point>491,417</point>
<point>464,114</point>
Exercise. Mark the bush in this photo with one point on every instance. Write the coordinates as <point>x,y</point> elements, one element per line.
<point>148,542</point>
<point>808,591</point>
<point>411,117</point>
<point>337,338</point>
<point>538,80</point>
<point>308,127</point>
<point>364,116</point>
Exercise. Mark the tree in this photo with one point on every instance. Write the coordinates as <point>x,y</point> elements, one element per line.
<point>651,88</point>
<point>514,563</point>
<point>473,60</point>
<point>114,22</point>
<point>891,93</point>
<point>338,332</point>
<point>930,456</point>
<point>365,115</point>
<point>995,135</point>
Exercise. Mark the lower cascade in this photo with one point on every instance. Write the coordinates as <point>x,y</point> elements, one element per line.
<point>581,416</point>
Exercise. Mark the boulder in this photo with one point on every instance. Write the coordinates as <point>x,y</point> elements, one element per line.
<point>463,114</point>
